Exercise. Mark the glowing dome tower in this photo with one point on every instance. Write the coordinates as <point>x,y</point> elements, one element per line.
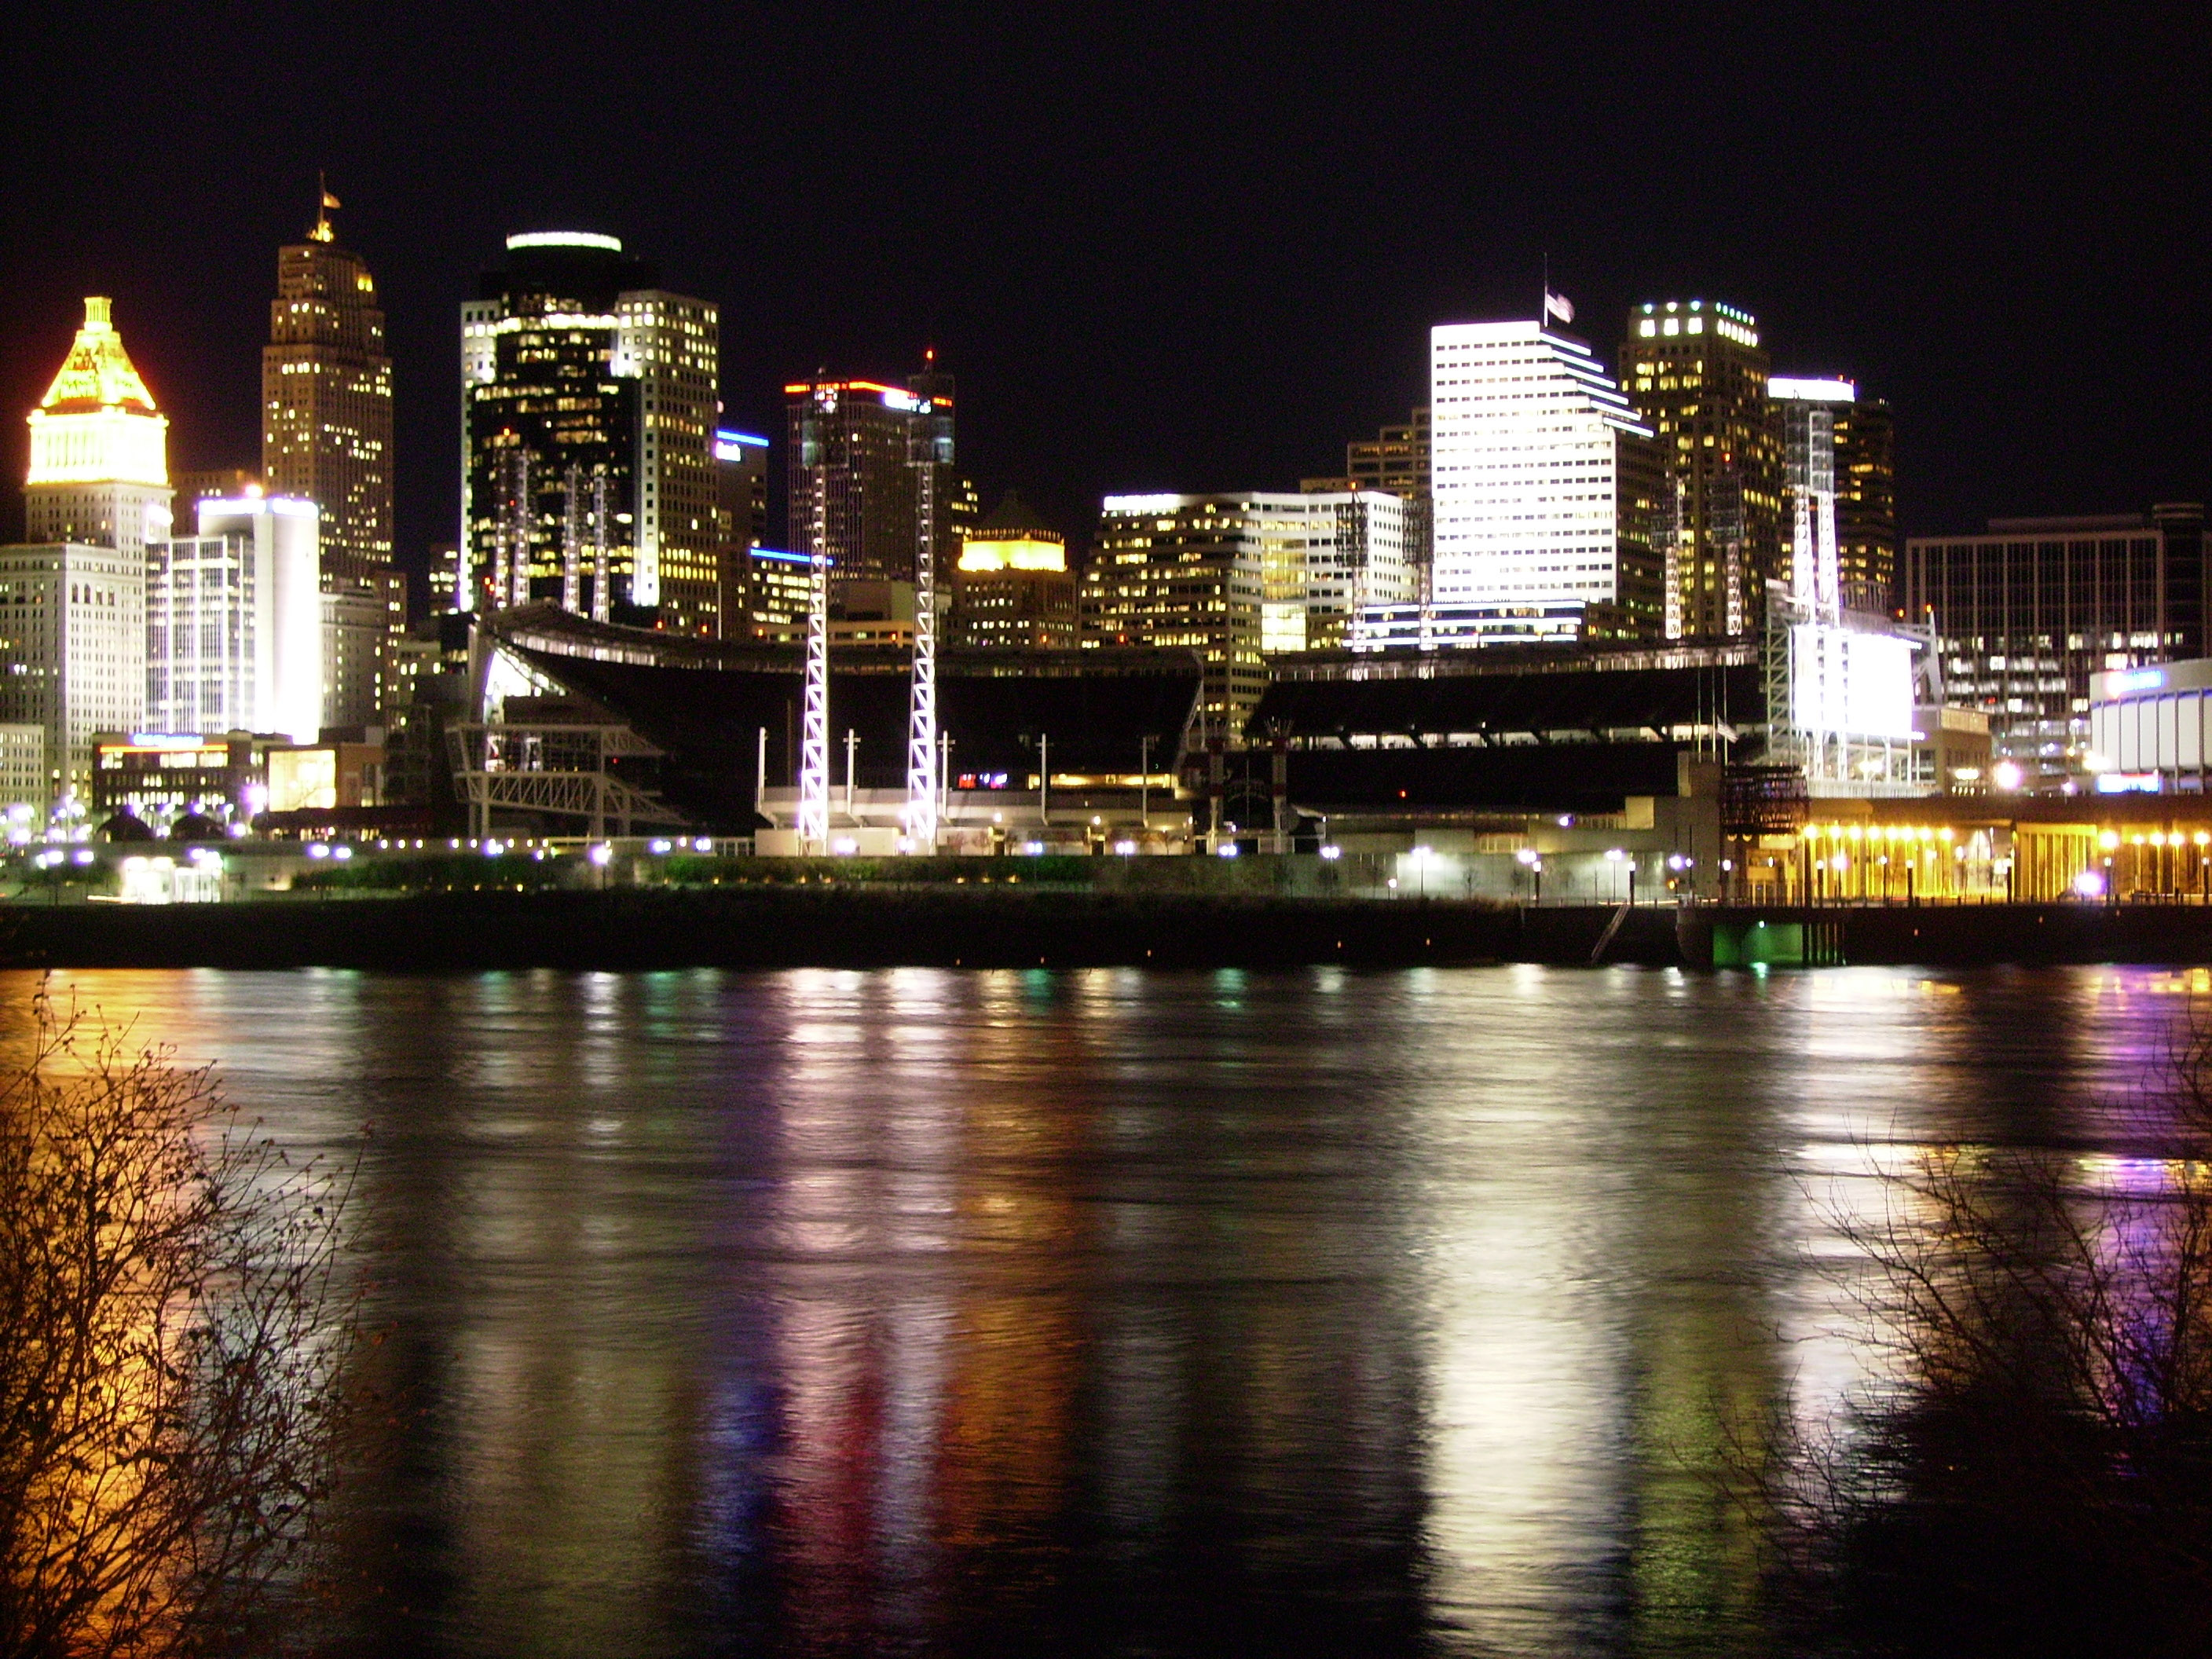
<point>99,450</point>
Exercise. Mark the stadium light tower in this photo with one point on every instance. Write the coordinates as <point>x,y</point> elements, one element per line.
<point>929,447</point>
<point>814,727</point>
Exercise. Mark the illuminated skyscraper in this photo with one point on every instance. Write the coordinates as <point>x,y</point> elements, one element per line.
<point>99,450</point>
<point>588,402</point>
<point>852,492</point>
<point>235,622</point>
<point>326,402</point>
<point>1543,487</point>
<point>1697,376</point>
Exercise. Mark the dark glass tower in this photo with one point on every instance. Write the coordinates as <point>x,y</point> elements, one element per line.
<point>587,420</point>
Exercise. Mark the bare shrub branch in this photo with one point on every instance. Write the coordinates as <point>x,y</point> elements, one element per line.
<point>2033,1473</point>
<point>172,1343</point>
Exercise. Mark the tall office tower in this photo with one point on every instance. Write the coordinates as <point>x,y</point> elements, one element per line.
<point>1544,488</point>
<point>1697,376</point>
<point>1240,578</point>
<point>326,402</point>
<point>1866,503</point>
<point>587,396</point>
<point>73,649</point>
<point>236,623</point>
<point>852,493</point>
<point>99,450</point>
<point>1013,588</point>
<point>2026,612</point>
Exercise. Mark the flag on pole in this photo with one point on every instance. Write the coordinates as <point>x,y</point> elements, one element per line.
<point>329,200</point>
<point>1556,304</point>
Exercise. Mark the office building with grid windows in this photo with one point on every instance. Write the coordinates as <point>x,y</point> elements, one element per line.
<point>1544,484</point>
<point>2026,611</point>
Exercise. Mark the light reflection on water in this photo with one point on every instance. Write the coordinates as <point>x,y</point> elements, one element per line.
<point>925,1311</point>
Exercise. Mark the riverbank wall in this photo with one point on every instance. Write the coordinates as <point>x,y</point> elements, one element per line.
<point>858,926</point>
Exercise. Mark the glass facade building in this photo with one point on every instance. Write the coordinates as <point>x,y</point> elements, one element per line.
<point>1239,578</point>
<point>588,398</point>
<point>2025,613</point>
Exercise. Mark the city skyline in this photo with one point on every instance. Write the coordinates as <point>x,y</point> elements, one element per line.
<point>1167,308</point>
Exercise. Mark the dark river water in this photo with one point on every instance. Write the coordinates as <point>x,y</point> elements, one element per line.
<point>1105,1312</point>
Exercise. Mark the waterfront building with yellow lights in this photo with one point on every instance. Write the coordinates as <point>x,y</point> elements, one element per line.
<point>1697,376</point>
<point>1985,850</point>
<point>589,408</point>
<point>100,449</point>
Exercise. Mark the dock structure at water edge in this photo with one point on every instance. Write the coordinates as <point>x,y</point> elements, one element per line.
<point>844,924</point>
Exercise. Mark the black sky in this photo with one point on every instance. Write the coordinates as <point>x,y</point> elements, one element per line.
<point>1163,247</point>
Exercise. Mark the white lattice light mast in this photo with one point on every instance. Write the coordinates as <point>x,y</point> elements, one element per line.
<point>814,728</point>
<point>929,446</point>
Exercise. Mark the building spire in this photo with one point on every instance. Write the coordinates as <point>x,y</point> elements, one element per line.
<point>325,205</point>
<point>98,373</point>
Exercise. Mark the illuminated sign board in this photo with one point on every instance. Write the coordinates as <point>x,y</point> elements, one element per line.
<point>2135,679</point>
<point>1851,683</point>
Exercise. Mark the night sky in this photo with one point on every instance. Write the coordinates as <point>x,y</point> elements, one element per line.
<point>1162,248</point>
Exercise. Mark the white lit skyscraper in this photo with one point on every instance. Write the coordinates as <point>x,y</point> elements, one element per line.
<point>1544,482</point>
<point>234,624</point>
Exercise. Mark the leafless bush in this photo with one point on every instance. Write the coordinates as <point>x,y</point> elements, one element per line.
<point>172,1339</point>
<point>2035,1474</point>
